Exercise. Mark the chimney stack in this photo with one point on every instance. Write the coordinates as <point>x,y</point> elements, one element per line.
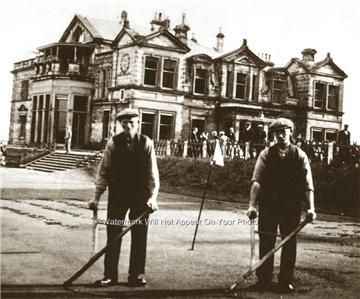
<point>308,55</point>
<point>158,23</point>
<point>220,41</point>
<point>182,30</point>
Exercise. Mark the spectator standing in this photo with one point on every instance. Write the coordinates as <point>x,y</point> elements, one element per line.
<point>249,137</point>
<point>259,139</point>
<point>194,143</point>
<point>68,136</point>
<point>232,143</point>
<point>344,143</point>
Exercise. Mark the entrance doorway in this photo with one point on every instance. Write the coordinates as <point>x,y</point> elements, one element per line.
<point>60,119</point>
<point>79,120</point>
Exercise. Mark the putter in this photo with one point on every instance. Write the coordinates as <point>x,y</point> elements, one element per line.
<point>252,245</point>
<point>94,258</point>
<point>95,231</point>
<point>271,252</point>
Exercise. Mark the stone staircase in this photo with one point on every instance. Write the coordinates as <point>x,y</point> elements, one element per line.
<point>60,160</point>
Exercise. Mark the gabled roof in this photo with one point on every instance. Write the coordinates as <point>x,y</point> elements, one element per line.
<point>243,50</point>
<point>98,28</point>
<point>329,61</point>
<point>317,65</point>
<point>297,61</point>
<point>145,40</point>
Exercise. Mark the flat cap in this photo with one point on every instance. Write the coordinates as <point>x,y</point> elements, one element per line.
<point>127,113</point>
<point>281,123</point>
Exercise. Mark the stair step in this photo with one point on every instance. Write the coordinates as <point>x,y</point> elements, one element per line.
<point>61,161</point>
<point>45,168</point>
<point>45,164</point>
<point>70,155</point>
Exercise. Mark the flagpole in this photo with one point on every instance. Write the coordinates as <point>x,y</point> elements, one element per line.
<point>201,207</point>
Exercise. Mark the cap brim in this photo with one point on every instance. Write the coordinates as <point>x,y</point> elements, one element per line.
<point>121,117</point>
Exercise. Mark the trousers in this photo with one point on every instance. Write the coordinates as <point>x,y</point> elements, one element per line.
<point>286,217</point>
<point>116,216</point>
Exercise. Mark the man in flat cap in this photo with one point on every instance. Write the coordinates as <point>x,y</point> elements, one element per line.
<point>129,169</point>
<point>281,180</point>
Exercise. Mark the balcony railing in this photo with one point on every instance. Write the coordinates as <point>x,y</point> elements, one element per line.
<point>54,66</point>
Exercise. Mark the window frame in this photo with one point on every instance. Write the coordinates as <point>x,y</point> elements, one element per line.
<point>147,69</point>
<point>317,129</point>
<point>197,78</point>
<point>331,131</point>
<point>280,90</point>
<point>239,85</point>
<point>172,125</point>
<point>324,95</point>
<point>335,96</point>
<point>174,73</point>
<point>150,112</point>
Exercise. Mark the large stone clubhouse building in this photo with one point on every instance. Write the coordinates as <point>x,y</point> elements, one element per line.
<point>99,67</point>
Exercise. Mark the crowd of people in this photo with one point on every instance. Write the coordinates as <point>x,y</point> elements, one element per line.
<point>256,138</point>
<point>231,146</point>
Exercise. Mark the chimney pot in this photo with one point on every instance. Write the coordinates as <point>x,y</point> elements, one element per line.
<point>308,55</point>
<point>244,42</point>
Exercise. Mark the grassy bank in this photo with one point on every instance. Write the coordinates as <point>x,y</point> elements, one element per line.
<point>336,189</point>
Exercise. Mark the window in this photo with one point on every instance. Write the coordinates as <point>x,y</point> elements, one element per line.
<point>200,81</point>
<point>102,83</point>
<point>240,85</point>
<point>40,119</point>
<point>254,88</point>
<point>229,82</point>
<point>22,126</point>
<point>316,135</point>
<point>106,120</point>
<point>151,67</point>
<point>24,90</point>
<point>46,117</point>
<point>277,92</point>
<point>166,126</point>
<point>320,95</point>
<point>147,124</point>
<point>169,73</point>
<point>333,97</point>
<point>330,135</point>
<point>198,123</point>
<point>33,119</point>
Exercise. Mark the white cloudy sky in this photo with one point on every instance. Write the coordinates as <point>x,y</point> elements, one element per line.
<point>281,28</point>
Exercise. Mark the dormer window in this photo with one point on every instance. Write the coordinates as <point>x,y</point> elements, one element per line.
<point>151,69</point>
<point>200,81</point>
<point>278,90</point>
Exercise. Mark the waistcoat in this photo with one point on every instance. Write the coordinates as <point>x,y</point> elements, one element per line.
<point>284,179</point>
<point>129,170</point>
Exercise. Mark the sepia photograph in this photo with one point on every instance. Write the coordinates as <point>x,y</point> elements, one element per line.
<point>180,149</point>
